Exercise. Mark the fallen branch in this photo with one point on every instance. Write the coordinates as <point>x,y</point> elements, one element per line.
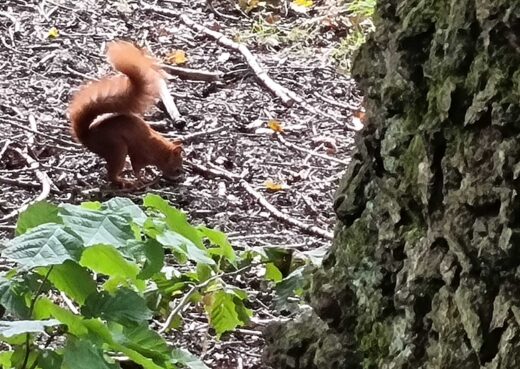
<point>6,145</point>
<point>34,165</point>
<point>314,110</point>
<point>193,74</point>
<point>310,152</point>
<point>193,136</point>
<point>261,74</point>
<point>263,201</point>
<point>49,137</point>
<point>42,177</point>
<point>168,102</point>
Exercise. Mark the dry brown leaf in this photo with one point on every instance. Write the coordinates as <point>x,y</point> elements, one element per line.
<point>275,125</point>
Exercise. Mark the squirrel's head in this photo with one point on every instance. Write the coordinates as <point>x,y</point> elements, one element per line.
<point>173,164</point>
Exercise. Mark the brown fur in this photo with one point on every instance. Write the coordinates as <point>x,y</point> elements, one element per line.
<point>123,133</point>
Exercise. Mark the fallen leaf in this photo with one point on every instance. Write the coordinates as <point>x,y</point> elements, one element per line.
<point>177,57</point>
<point>53,32</point>
<point>275,125</point>
<point>303,3</point>
<point>248,5</point>
<point>273,186</point>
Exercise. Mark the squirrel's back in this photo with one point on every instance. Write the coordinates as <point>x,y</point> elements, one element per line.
<point>132,93</point>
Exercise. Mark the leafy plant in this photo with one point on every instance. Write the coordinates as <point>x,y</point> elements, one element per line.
<point>360,16</point>
<point>87,280</point>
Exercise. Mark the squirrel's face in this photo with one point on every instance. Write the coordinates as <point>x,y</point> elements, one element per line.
<point>173,165</point>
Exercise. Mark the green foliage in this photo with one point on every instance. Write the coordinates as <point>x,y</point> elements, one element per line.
<point>89,279</point>
<point>361,12</point>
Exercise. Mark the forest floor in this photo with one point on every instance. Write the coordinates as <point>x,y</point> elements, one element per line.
<point>224,122</point>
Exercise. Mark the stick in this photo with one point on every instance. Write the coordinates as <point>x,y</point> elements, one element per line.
<point>263,201</point>
<point>314,153</point>
<point>261,74</point>
<point>193,289</point>
<point>193,74</point>
<point>63,142</point>
<point>168,102</point>
<point>34,165</point>
<point>192,136</point>
<point>6,145</point>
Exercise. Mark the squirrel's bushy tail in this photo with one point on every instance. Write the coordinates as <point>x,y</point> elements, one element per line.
<point>134,92</point>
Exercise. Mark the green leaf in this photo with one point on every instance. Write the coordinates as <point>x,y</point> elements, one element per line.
<point>149,253</point>
<point>97,227</point>
<point>12,297</point>
<point>13,328</point>
<point>272,273</point>
<point>82,354</point>
<point>102,333</point>
<point>316,255</point>
<point>107,260</point>
<point>44,245</point>
<point>72,279</point>
<point>181,244</point>
<point>222,311</point>
<point>220,239</point>
<point>125,206</point>
<point>175,218</point>
<point>141,339</point>
<point>125,307</point>
<point>183,356</point>
<point>5,359</point>
<point>92,205</point>
<point>49,359</point>
<point>45,308</point>
<point>36,214</point>
<point>204,272</point>
<point>287,288</point>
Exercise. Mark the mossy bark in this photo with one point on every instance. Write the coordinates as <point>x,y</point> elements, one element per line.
<point>424,271</point>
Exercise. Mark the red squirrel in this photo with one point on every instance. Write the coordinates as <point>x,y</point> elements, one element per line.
<point>106,116</point>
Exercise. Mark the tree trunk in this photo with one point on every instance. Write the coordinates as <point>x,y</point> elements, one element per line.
<point>424,271</point>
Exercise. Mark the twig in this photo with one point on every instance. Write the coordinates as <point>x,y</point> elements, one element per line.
<point>260,73</point>
<point>193,289</point>
<point>69,303</point>
<point>283,216</point>
<point>263,201</point>
<point>314,153</point>
<point>314,110</point>
<point>337,103</point>
<point>16,182</point>
<point>193,74</point>
<point>63,142</point>
<point>6,145</point>
<point>168,102</point>
<point>192,136</point>
<point>12,19</point>
<point>44,180</point>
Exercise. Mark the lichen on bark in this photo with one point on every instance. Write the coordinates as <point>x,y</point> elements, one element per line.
<point>424,270</point>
